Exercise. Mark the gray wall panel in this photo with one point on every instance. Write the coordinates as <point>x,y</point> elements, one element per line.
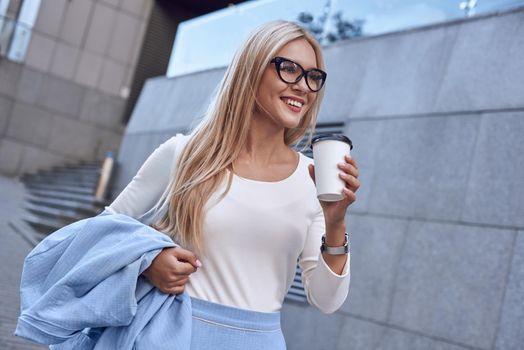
<point>61,96</point>
<point>173,103</point>
<point>376,245</point>
<point>102,109</point>
<point>495,192</point>
<point>317,330</point>
<point>30,124</point>
<point>511,329</point>
<point>6,105</point>
<point>30,85</point>
<point>486,67</point>
<point>366,137</point>
<point>451,281</point>
<point>403,77</point>
<point>422,166</point>
<point>9,74</point>
<point>360,334</point>
<point>346,65</point>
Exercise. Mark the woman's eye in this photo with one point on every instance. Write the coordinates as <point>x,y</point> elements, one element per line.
<point>288,68</point>
<point>315,77</point>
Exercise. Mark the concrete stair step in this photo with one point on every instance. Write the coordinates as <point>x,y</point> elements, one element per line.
<point>65,204</point>
<point>27,232</point>
<point>88,177</point>
<point>65,180</point>
<point>44,226</point>
<point>53,213</point>
<point>70,177</point>
<point>78,171</point>
<point>60,182</point>
<point>290,296</point>
<point>60,196</point>
<point>53,180</point>
<point>94,166</point>
<point>61,188</point>
<point>82,198</point>
<point>296,291</point>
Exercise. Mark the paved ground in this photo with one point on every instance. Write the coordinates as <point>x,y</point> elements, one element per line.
<point>13,249</point>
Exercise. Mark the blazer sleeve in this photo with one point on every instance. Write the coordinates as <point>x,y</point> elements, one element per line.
<point>150,182</point>
<point>324,288</point>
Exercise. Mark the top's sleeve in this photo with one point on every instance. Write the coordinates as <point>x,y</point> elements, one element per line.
<point>324,288</point>
<point>147,186</point>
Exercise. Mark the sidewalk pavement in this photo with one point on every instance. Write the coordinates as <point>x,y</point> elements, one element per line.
<point>13,250</point>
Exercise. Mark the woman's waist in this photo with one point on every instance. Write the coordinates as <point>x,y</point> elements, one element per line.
<point>267,298</point>
<point>234,317</point>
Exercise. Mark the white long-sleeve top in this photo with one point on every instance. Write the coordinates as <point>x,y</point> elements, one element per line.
<point>252,237</point>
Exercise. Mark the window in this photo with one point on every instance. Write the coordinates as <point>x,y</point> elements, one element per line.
<point>17,18</point>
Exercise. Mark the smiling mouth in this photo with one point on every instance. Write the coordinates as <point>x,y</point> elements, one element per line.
<point>292,102</point>
<point>293,105</point>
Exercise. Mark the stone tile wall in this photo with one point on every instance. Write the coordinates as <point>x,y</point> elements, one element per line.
<point>46,120</point>
<point>66,102</point>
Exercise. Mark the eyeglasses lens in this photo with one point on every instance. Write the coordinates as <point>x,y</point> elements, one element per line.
<point>290,72</point>
<point>315,80</point>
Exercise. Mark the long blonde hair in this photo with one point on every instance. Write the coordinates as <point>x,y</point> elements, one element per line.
<point>217,141</point>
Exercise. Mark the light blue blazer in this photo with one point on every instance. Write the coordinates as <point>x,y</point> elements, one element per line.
<point>81,288</point>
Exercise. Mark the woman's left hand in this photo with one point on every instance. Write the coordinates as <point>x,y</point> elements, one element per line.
<point>335,212</point>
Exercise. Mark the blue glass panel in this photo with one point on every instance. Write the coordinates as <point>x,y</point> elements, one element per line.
<point>210,41</point>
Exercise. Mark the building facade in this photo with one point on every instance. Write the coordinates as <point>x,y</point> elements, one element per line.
<point>71,72</point>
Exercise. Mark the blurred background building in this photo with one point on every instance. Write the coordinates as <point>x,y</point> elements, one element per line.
<point>430,92</point>
<point>71,71</point>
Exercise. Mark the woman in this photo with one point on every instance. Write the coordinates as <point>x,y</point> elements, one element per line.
<point>240,199</point>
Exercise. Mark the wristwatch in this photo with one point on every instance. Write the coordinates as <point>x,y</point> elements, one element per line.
<point>341,250</point>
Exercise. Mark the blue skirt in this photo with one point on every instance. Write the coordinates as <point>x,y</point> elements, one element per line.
<point>217,327</point>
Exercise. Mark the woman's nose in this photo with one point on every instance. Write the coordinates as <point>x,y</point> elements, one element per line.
<point>301,85</point>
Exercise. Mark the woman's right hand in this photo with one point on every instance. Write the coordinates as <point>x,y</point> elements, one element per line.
<point>171,268</point>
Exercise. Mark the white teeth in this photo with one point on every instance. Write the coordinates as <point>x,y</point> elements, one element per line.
<point>293,102</point>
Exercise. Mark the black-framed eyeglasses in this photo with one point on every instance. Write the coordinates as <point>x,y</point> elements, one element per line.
<point>291,72</point>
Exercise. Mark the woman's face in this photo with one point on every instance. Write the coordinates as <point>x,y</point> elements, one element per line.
<point>285,104</point>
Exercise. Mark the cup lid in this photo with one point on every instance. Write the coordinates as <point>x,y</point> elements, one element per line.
<point>337,137</point>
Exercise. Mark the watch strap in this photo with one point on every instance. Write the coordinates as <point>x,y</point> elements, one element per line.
<point>340,250</point>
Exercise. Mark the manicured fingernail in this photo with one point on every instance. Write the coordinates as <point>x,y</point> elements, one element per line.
<point>198,263</point>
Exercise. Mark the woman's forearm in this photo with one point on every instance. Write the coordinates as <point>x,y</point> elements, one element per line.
<point>335,237</point>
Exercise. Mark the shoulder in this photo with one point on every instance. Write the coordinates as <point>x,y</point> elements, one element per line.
<point>306,187</point>
<point>163,158</point>
<point>174,141</point>
<point>303,170</point>
<point>305,161</point>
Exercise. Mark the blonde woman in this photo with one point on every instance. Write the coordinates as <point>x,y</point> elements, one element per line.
<point>242,203</point>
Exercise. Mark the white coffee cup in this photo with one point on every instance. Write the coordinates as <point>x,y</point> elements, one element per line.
<point>328,151</point>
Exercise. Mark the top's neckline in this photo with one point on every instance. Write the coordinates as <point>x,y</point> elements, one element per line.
<point>295,172</point>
